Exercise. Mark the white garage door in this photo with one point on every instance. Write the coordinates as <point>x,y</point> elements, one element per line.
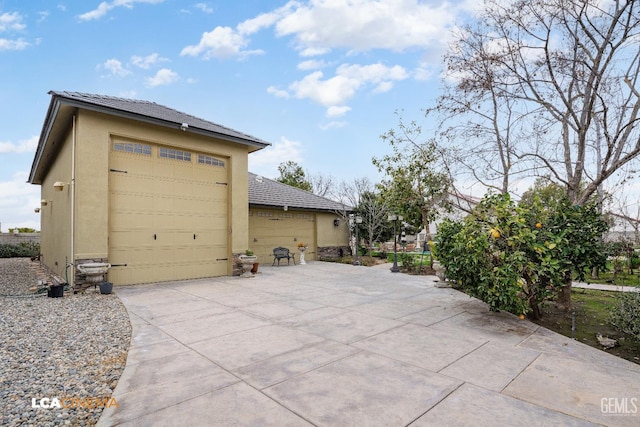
<point>269,229</point>
<point>168,214</point>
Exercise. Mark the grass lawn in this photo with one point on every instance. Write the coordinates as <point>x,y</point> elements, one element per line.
<point>591,309</point>
<point>621,279</point>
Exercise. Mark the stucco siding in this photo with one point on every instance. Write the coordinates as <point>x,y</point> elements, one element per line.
<point>55,217</point>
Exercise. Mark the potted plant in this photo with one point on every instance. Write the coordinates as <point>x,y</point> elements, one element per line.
<point>248,259</point>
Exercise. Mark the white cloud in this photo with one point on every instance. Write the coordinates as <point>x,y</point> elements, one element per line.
<point>265,162</point>
<point>162,78</point>
<point>337,111</point>
<point>19,44</point>
<point>319,26</point>
<point>204,7</point>
<point>278,93</point>
<point>333,125</point>
<point>115,67</point>
<point>221,42</point>
<point>312,64</point>
<point>145,62</point>
<point>43,16</point>
<point>24,146</point>
<point>106,6</point>
<point>227,42</point>
<point>362,25</point>
<point>335,91</point>
<point>18,202</point>
<point>11,22</point>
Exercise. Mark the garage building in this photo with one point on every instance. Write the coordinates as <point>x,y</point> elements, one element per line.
<point>162,195</point>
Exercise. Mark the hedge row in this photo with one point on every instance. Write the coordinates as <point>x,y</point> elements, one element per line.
<point>24,249</point>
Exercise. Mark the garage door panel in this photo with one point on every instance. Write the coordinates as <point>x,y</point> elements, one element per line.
<point>173,200</point>
<point>270,229</point>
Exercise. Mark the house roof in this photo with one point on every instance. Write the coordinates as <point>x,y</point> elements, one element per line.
<point>264,192</point>
<point>64,104</point>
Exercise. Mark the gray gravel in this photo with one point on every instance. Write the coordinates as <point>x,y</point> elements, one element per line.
<point>72,348</point>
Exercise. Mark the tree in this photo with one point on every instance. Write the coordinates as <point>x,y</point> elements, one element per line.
<point>321,185</point>
<point>415,186</point>
<point>361,194</point>
<point>568,72</point>
<point>516,256</point>
<point>292,174</point>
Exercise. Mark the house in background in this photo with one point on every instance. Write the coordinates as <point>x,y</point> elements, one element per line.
<point>159,194</point>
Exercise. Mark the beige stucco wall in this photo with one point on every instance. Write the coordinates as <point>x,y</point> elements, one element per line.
<point>55,217</point>
<point>329,234</point>
<point>318,233</point>
<point>93,136</point>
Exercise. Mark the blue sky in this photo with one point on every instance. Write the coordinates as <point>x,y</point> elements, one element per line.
<point>321,80</point>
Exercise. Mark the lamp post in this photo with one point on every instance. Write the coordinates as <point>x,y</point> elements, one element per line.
<point>395,219</point>
<point>357,219</point>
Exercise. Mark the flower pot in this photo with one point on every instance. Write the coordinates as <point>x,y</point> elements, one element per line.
<point>56,291</point>
<point>247,262</point>
<point>106,288</point>
<point>254,270</point>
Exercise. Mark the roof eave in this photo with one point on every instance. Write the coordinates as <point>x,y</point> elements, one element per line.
<point>50,119</point>
<point>159,122</point>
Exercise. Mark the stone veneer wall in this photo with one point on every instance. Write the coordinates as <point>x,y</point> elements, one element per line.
<point>332,252</point>
<point>80,283</point>
<point>237,265</point>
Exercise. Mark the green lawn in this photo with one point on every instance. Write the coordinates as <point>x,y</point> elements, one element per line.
<point>592,313</point>
<point>621,279</point>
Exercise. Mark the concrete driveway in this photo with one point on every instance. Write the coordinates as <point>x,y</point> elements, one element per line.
<point>337,345</point>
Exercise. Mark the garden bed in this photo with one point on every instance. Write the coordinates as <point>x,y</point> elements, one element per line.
<point>591,308</point>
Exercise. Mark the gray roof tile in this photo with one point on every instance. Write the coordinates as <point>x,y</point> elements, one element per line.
<point>148,109</point>
<point>270,193</point>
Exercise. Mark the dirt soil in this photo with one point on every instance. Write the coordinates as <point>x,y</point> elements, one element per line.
<point>591,308</point>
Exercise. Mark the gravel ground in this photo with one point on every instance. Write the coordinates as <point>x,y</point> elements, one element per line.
<point>72,348</point>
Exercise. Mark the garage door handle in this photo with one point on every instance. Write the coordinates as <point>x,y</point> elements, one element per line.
<point>154,236</point>
<point>194,237</point>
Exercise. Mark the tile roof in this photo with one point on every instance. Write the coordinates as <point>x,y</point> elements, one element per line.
<point>151,110</point>
<point>269,193</point>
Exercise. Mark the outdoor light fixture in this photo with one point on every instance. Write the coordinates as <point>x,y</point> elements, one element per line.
<point>184,127</point>
<point>37,210</point>
<point>395,219</point>
<point>44,202</point>
<point>59,185</point>
<point>336,222</point>
<point>355,220</point>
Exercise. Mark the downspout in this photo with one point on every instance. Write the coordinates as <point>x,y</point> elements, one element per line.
<point>73,200</point>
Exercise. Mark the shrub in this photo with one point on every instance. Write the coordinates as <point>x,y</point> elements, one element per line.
<point>407,260</point>
<point>625,315</point>
<point>23,249</point>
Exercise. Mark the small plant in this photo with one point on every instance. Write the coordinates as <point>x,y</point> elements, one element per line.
<point>248,252</point>
<point>302,245</point>
<point>23,249</point>
<point>625,315</point>
<point>408,261</point>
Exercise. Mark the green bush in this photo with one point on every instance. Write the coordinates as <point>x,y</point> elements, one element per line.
<point>515,257</point>
<point>625,315</point>
<point>24,249</point>
<point>407,260</point>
